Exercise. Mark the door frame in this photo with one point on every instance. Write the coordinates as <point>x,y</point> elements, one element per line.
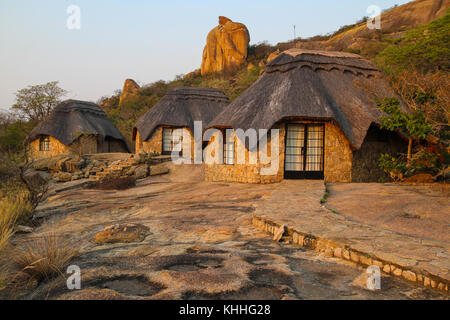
<point>313,175</point>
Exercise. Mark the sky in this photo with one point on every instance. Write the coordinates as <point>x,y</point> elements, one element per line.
<point>143,40</point>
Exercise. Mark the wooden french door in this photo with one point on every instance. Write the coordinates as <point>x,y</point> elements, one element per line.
<point>304,151</point>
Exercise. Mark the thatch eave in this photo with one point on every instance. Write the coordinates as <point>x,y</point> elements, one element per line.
<point>73,118</point>
<point>305,84</point>
<point>180,108</point>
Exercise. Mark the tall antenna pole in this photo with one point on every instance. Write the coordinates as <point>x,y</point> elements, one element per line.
<point>295,35</point>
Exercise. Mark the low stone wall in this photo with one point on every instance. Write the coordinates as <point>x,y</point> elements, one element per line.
<point>334,249</point>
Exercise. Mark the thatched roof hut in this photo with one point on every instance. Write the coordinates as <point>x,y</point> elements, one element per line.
<point>73,118</point>
<point>323,106</point>
<point>311,84</point>
<point>180,108</point>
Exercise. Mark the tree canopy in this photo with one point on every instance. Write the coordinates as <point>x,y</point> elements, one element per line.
<point>36,102</point>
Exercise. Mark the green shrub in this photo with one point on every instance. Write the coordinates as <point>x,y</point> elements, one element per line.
<point>13,210</point>
<point>389,163</point>
<point>425,48</point>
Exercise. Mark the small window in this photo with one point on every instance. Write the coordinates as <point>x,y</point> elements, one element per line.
<point>172,140</point>
<point>228,150</point>
<point>44,143</point>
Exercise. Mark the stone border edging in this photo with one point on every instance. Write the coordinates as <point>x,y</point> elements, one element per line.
<point>344,252</point>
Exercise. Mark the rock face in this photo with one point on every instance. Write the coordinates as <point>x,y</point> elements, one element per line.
<point>130,88</point>
<point>393,23</point>
<point>226,46</point>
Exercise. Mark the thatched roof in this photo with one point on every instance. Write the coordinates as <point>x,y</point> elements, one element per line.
<point>180,108</point>
<point>72,118</point>
<point>311,85</point>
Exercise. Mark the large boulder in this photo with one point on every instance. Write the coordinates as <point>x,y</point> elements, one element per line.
<point>61,163</point>
<point>226,47</point>
<point>62,176</point>
<point>141,172</point>
<point>36,178</point>
<point>130,88</point>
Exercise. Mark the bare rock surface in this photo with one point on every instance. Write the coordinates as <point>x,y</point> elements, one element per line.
<point>393,23</point>
<point>354,217</point>
<point>416,210</point>
<point>201,244</point>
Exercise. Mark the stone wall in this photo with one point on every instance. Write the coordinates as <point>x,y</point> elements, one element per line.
<point>338,155</point>
<point>337,166</point>
<point>86,144</point>
<point>56,148</point>
<point>245,173</point>
<point>154,143</point>
<point>341,163</point>
<point>113,145</point>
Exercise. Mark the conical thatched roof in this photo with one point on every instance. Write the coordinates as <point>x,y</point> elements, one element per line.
<point>312,85</point>
<point>180,108</point>
<point>72,118</point>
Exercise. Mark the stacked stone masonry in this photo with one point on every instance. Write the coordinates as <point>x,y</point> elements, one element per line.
<point>337,164</point>
<point>155,143</point>
<point>86,144</point>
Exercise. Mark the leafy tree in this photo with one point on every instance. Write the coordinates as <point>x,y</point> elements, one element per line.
<point>36,102</point>
<point>413,124</point>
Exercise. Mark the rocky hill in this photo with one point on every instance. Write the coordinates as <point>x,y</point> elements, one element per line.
<point>394,23</point>
<point>415,33</point>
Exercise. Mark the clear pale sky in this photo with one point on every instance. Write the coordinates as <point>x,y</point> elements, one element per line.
<point>143,40</point>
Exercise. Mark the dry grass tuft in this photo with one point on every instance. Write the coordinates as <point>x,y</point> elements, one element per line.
<point>12,210</point>
<point>46,257</point>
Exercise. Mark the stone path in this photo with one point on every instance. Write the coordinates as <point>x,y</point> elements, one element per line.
<point>296,204</point>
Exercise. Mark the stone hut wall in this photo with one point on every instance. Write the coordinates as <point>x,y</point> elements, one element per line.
<point>85,144</point>
<point>113,145</point>
<point>245,173</point>
<point>338,155</point>
<point>154,143</point>
<point>56,148</point>
<point>337,166</point>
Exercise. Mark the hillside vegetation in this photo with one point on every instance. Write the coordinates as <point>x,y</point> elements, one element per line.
<point>423,49</point>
